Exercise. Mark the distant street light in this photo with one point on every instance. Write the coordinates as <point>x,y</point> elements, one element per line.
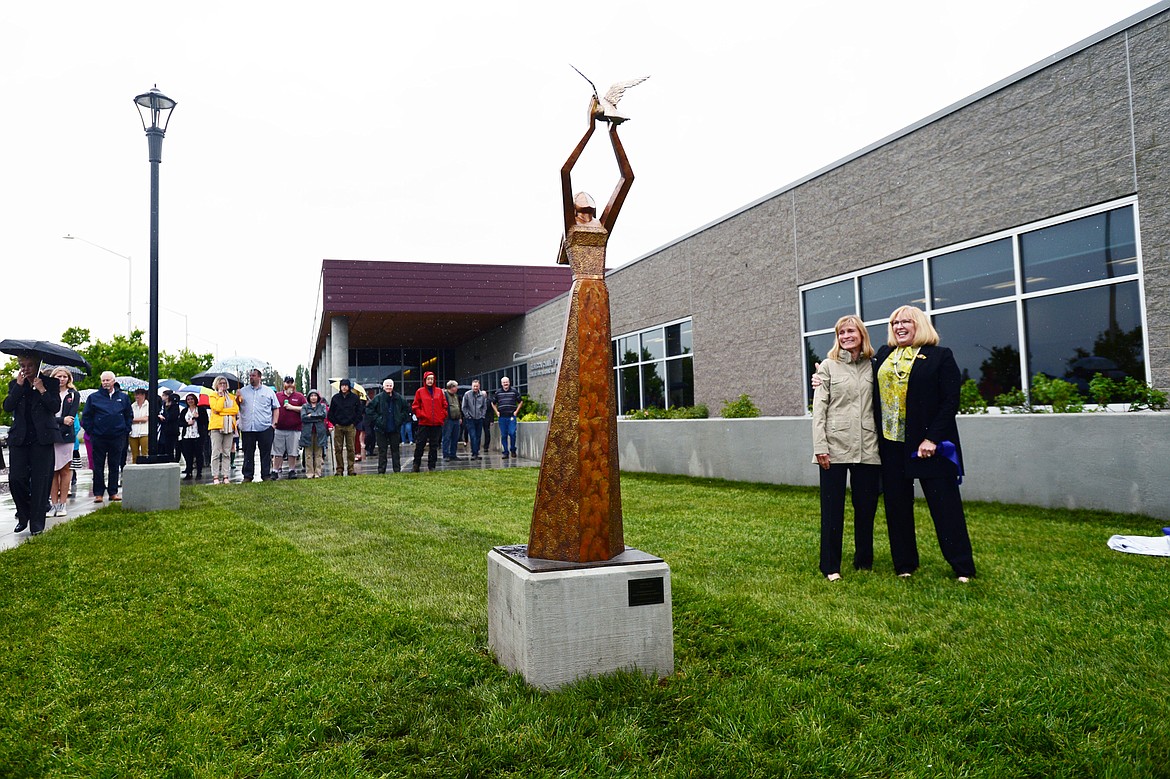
<point>155,107</point>
<point>186,325</point>
<point>129,277</point>
<point>213,343</point>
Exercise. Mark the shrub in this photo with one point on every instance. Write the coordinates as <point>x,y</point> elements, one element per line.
<point>1140,395</point>
<point>1063,396</point>
<point>674,412</point>
<point>1013,402</point>
<point>1103,390</point>
<point>970,401</point>
<point>740,408</point>
<point>534,410</point>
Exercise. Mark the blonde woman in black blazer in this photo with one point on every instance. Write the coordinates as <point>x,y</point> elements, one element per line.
<point>916,399</point>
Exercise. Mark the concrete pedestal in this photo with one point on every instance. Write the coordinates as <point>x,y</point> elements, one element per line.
<point>557,622</point>
<point>150,487</point>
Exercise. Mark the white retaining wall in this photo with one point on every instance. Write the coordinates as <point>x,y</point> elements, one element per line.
<point>1112,461</point>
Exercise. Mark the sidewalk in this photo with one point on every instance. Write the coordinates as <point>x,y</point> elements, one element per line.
<point>83,504</point>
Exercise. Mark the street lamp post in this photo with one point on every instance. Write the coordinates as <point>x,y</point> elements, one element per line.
<point>155,107</point>
<point>129,277</point>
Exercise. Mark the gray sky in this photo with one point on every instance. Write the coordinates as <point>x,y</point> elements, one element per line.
<point>432,132</point>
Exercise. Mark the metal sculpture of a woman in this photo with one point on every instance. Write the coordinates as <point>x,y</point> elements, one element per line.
<point>578,512</point>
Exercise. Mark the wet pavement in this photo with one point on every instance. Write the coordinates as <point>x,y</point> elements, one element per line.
<point>82,503</point>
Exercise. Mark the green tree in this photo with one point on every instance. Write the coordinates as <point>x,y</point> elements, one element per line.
<point>75,336</point>
<point>7,372</point>
<point>183,366</point>
<point>125,356</point>
<point>271,377</point>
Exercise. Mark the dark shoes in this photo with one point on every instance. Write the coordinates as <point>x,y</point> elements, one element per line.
<point>187,477</point>
<point>21,525</point>
<point>505,455</point>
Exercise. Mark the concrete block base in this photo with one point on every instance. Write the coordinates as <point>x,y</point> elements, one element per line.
<point>153,487</point>
<point>554,623</point>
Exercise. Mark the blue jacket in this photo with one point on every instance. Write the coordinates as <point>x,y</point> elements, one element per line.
<point>106,415</point>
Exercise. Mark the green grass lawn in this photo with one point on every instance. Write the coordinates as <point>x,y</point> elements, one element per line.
<point>338,628</point>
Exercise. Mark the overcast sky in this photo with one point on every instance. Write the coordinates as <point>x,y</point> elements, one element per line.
<point>432,132</point>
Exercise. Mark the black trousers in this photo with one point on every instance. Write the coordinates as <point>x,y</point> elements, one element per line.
<point>251,440</point>
<point>946,511</point>
<point>864,484</point>
<point>427,434</point>
<point>192,454</point>
<point>30,474</point>
<point>391,441</point>
<point>109,452</point>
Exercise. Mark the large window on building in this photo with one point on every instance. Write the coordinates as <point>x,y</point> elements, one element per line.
<point>489,381</point>
<point>370,367</point>
<point>1060,297</point>
<point>654,367</point>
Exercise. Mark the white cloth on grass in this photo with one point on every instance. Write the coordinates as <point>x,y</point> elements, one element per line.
<point>1155,546</point>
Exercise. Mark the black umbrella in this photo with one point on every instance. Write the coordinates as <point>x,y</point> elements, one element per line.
<point>207,379</point>
<point>46,350</point>
<point>73,369</point>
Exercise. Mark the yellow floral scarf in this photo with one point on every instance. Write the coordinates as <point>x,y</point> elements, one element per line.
<point>893,378</point>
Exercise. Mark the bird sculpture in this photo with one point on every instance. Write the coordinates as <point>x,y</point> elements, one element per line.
<point>605,108</point>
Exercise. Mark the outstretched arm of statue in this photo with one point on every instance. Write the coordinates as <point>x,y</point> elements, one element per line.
<point>610,214</point>
<point>566,179</point>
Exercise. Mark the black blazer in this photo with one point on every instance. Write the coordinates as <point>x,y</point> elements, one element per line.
<point>69,406</point>
<point>200,419</point>
<point>932,401</point>
<point>30,408</point>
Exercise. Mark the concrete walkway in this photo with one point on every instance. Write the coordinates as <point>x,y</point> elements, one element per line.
<point>83,503</point>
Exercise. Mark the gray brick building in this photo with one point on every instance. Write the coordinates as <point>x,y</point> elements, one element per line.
<point>1031,221</point>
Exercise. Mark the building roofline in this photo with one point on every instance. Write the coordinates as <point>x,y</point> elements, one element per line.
<point>1047,62</point>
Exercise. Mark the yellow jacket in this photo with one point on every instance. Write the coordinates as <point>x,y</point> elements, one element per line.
<point>220,407</point>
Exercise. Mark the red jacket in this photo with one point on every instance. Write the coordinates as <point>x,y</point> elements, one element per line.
<point>430,404</point>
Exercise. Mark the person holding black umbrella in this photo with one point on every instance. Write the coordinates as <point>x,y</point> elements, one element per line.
<point>33,400</point>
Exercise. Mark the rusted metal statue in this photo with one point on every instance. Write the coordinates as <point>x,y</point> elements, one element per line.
<point>578,511</point>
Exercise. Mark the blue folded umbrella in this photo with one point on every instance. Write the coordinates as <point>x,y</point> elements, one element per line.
<point>947,450</point>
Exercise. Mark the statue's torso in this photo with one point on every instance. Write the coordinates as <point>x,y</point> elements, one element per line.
<point>586,250</point>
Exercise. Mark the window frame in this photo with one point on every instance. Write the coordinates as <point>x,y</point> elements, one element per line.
<point>640,364</point>
<point>1016,297</point>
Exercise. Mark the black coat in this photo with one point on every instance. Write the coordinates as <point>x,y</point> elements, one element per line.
<point>33,411</point>
<point>168,429</point>
<point>69,406</point>
<point>201,420</point>
<point>385,407</point>
<point>345,409</point>
<point>932,401</point>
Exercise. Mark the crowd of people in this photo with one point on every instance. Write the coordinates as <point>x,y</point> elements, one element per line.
<point>51,427</point>
<point>881,420</point>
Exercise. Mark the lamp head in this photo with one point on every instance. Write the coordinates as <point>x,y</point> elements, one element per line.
<point>157,107</point>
